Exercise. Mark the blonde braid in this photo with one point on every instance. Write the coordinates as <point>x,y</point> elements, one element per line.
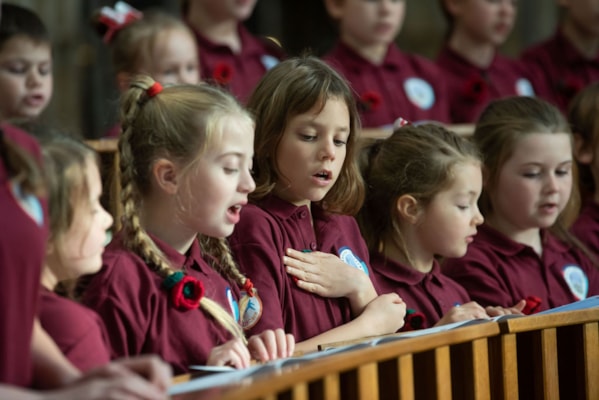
<point>134,177</point>
<point>225,263</point>
<point>135,237</point>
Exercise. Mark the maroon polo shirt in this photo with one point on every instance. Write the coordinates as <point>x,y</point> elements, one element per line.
<point>564,69</point>
<point>23,139</point>
<point>22,252</point>
<point>259,242</point>
<point>586,227</point>
<point>77,330</point>
<point>432,293</point>
<point>237,72</point>
<point>499,271</point>
<point>139,316</point>
<point>403,85</point>
<point>471,88</point>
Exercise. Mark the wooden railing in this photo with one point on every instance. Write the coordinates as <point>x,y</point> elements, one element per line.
<point>536,357</point>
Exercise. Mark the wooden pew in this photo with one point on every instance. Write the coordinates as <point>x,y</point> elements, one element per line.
<point>445,365</point>
<point>536,357</point>
<point>547,357</point>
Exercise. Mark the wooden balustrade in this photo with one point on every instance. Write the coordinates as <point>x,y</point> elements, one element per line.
<point>536,357</point>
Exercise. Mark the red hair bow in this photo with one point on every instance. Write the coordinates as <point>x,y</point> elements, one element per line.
<point>117,18</point>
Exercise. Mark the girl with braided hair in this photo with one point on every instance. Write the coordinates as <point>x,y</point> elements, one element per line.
<point>169,284</point>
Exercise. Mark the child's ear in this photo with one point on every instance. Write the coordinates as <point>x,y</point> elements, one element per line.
<point>453,6</point>
<point>582,153</point>
<point>408,208</point>
<point>123,79</point>
<point>334,8</point>
<point>165,173</point>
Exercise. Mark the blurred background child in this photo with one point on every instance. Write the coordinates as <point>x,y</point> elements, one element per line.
<point>185,157</point>
<point>524,250</point>
<point>231,57</point>
<point>25,65</point>
<point>29,357</point>
<point>387,82</point>
<point>423,185</point>
<point>583,116</point>
<point>297,239</point>
<point>569,60</point>
<point>472,67</point>
<point>152,43</point>
<point>78,228</point>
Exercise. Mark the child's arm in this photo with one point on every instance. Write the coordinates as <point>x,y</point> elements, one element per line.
<point>326,275</point>
<point>138,378</point>
<point>383,315</point>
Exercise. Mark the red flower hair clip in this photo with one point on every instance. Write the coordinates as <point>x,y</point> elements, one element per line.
<point>117,18</point>
<point>370,101</point>
<point>414,320</point>
<point>476,89</point>
<point>185,291</point>
<point>223,73</point>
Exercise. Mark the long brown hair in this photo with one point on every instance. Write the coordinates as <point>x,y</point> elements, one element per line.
<point>291,88</point>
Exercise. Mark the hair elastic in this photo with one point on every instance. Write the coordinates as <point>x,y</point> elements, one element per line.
<point>154,89</point>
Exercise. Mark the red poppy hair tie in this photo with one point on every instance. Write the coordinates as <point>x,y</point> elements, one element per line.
<point>154,89</point>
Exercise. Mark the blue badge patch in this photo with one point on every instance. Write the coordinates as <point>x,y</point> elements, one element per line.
<point>524,87</point>
<point>577,281</point>
<point>269,61</point>
<point>232,304</point>
<point>347,256</point>
<point>419,92</point>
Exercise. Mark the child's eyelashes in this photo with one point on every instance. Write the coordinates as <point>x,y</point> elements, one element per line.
<point>340,143</point>
<point>307,138</point>
<point>562,172</point>
<point>230,171</point>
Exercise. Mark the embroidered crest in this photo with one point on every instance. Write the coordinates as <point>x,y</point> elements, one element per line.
<point>233,304</point>
<point>524,87</point>
<point>251,309</point>
<point>419,92</point>
<point>347,256</point>
<point>577,281</point>
<point>269,61</point>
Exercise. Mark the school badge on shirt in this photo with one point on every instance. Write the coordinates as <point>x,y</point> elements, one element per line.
<point>251,309</point>
<point>269,61</point>
<point>577,281</point>
<point>524,87</point>
<point>419,92</point>
<point>347,256</point>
